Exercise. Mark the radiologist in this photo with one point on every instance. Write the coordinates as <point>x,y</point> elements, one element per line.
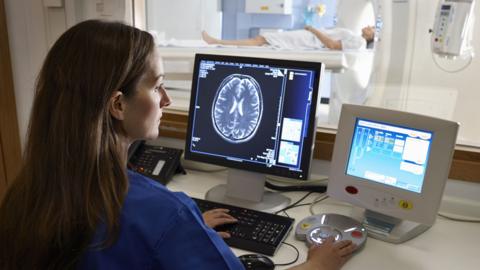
<point>74,204</point>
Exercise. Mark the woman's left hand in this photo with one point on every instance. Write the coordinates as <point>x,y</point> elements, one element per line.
<point>217,217</point>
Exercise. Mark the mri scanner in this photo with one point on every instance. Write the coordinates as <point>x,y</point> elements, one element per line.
<point>382,77</point>
<point>369,74</point>
<point>357,75</point>
<point>377,77</point>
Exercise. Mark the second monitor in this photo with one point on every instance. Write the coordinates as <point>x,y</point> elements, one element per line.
<point>255,116</point>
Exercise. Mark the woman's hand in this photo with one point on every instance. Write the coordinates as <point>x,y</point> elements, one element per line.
<point>330,255</point>
<point>216,217</point>
<point>308,28</point>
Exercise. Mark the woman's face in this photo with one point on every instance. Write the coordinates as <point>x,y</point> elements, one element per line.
<point>144,108</point>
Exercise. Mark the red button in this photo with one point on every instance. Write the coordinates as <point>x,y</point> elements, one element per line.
<point>351,189</point>
<point>357,234</point>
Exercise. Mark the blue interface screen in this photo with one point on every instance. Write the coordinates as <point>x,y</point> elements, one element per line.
<point>252,113</point>
<point>389,154</point>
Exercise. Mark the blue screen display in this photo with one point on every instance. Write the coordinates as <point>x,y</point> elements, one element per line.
<point>252,113</point>
<point>389,154</point>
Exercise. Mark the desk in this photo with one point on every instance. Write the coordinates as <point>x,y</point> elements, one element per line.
<point>446,245</point>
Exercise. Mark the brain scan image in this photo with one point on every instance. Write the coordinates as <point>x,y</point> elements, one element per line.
<point>237,108</point>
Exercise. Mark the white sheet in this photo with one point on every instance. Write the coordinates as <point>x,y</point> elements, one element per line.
<point>293,40</point>
<point>334,61</point>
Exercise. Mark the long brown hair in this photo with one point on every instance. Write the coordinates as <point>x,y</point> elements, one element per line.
<point>74,176</point>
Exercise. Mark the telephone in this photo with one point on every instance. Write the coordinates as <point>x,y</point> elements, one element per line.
<point>157,162</point>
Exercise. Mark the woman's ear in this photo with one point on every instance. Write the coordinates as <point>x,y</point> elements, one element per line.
<point>116,105</point>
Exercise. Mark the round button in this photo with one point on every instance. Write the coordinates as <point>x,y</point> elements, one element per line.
<point>356,234</point>
<point>351,189</point>
<point>405,204</point>
<point>320,234</point>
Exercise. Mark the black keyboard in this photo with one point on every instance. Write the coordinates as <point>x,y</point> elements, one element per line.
<point>255,231</point>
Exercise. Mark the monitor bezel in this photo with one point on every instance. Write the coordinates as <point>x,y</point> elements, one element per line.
<point>425,204</point>
<point>307,152</point>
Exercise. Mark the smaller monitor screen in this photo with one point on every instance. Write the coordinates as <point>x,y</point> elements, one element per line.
<point>389,154</point>
<point>254,114</point>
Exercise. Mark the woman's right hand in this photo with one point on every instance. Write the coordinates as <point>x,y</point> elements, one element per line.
<point>308,28</point>
<point>217,217</point>
<point>330,255</point>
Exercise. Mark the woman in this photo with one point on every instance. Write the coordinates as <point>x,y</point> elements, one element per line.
<point>310,38</point>
<point>74,204</point>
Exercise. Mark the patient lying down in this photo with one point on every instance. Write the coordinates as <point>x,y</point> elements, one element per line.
<point>309,38</point>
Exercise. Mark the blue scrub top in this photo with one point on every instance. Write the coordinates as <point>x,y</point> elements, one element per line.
<point>160,229</point>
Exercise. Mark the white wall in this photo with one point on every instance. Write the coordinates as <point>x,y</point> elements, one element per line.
<point>28,48</point>
<point>33,26</point>
<point>457,92</point>
<point>184,19</point>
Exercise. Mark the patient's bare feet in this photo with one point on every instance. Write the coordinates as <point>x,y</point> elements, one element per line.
<point>209,39</point>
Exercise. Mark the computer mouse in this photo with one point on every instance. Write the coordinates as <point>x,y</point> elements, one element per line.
<point>257,262</point>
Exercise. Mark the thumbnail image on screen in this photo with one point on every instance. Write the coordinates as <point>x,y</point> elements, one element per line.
<point>389,154</point>
<point>252,113</point>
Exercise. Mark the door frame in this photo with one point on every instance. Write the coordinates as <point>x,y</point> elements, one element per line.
<point>10,148</point>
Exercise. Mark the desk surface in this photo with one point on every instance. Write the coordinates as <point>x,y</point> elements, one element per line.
<point>446,245</point>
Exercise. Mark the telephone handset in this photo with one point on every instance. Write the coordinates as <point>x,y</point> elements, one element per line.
<point>157,162</point>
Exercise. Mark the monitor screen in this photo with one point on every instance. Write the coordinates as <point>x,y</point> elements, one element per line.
<point>389,154</point>
<point>393,165</point>
<point>254,114</point>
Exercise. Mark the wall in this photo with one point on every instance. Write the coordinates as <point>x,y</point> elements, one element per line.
<point>33,26</point>
<point>28,48</point>
<point>163,17</point>
<point>457,94</point>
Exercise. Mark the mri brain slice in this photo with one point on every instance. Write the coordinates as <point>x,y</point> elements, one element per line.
<point>237,108</point>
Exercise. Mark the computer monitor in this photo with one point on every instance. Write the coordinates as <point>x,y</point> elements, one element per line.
<point>255,116</point>
<point>394,166</point>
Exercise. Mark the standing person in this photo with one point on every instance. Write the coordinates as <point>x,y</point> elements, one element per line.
<point>309,38</point>
<point>74,204</point>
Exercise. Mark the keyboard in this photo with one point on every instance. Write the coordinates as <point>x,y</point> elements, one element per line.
<point>255,231</point>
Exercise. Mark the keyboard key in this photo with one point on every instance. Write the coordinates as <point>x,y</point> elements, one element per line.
<point>255,231</point>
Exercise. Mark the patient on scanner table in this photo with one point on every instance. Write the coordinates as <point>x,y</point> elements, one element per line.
<point>308,38</point>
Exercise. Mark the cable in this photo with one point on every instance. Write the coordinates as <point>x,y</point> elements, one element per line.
<point>317,200</point>
<point>318,179</point>
<point>324,197</point>
<point>293,204</point>
<point>444,69</point>
<point>296,258</point>
<point>310,188</point>
<point>472,220</point>
<point>470,59</point>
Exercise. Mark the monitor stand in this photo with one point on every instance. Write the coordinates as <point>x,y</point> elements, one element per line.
<point>247,189</point>
<point>387,228</point>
